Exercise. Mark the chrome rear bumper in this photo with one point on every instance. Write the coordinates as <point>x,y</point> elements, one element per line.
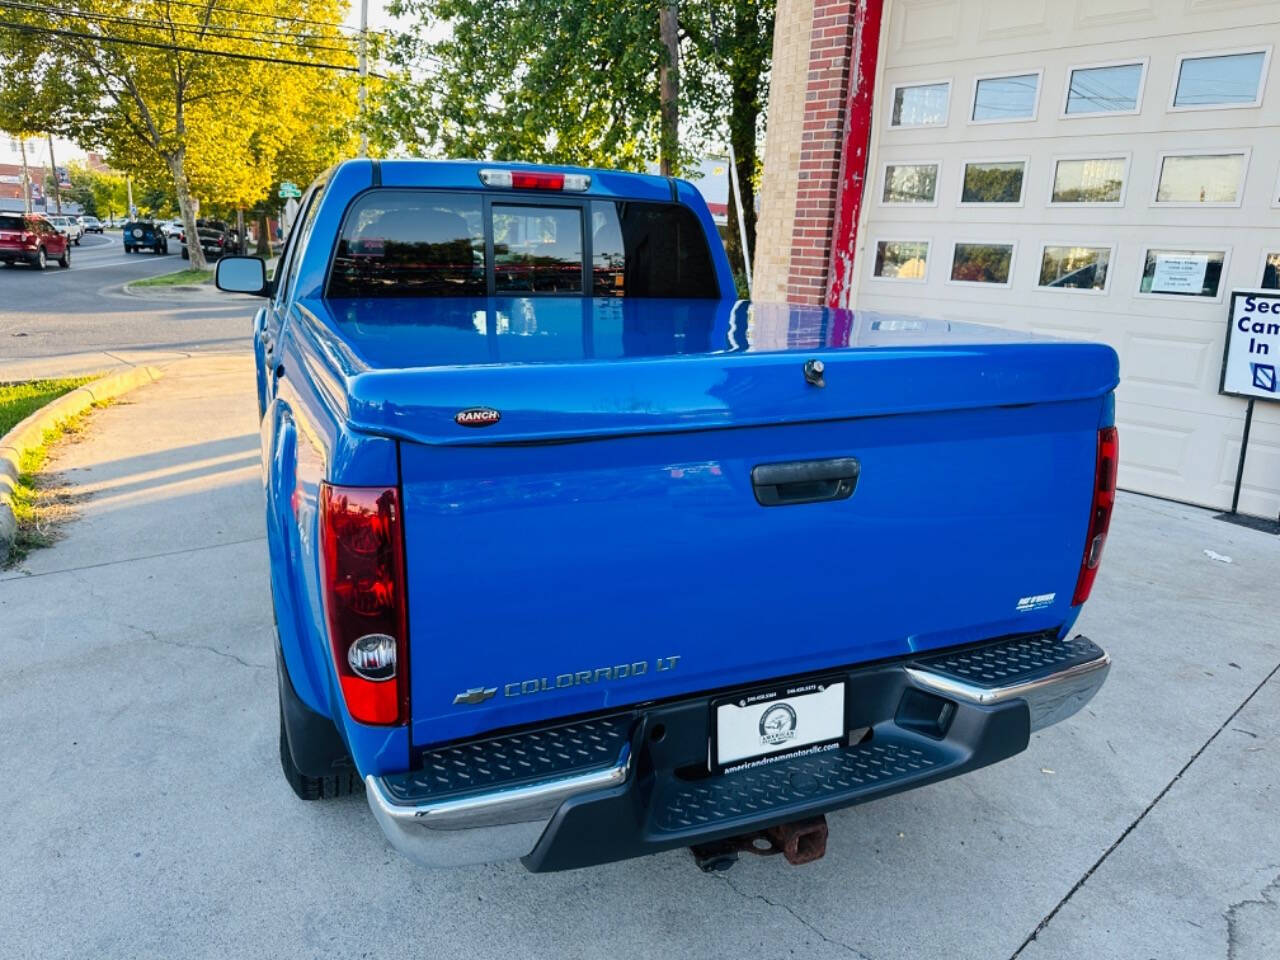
<point>488,826</point>
<point>1053,692</point>
<point>494,800</point>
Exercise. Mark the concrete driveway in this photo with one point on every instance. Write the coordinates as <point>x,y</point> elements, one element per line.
<point>145,814</point>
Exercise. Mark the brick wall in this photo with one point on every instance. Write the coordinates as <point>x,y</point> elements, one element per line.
<point>785,126</point>
<point>802,173</point>
<point>826,90</point>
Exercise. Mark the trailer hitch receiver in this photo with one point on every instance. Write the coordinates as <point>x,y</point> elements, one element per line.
<point>801,841</point>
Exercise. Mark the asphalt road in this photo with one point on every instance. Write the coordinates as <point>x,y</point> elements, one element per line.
<point>145,814</point>
<point>84,309</point>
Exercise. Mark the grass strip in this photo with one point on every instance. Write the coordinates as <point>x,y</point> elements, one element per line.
<point>41,505</point>
<point>178,278</point>
<point>19,400</point>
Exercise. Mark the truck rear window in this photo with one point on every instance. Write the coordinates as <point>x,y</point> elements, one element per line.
<point>649,250</point>
<point>401,243</point>
<point>419,243</point>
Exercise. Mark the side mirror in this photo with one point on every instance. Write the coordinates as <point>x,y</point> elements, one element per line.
<point>242,275</point>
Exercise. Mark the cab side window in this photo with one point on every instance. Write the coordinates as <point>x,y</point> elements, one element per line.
<point>297,244</point>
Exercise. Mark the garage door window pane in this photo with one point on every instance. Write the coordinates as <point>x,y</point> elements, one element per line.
<point>1105,89</point>
<point>1088,181</point>
<point>1006,98</point>
<point>1183,273</point>
<point>924,105</point>
<point>1271,272</point>
<point>1206,179</point>
<point>982,262</point>
<point>910,183</point>
<point>1213,81</point>
<point>902,259</point>
<point>993,182</point>
<point>1074,268</point>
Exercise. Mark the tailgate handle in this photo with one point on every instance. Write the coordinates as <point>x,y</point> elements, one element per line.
<point>805,481</point>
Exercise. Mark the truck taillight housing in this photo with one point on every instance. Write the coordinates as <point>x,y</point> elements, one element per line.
<point>362,550</point>
<point>535,180</point>
<point>1104,499</point>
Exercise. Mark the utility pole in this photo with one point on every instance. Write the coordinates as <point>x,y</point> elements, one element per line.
<point>128,186</point>
<point>669,87</point>
<point>57,187</point>
<point>26,176</point>
<point>363,63</point>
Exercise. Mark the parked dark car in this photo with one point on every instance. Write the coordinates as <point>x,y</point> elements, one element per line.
<point>32,239</point>
<point>216,239</point>
<point>144,234</point>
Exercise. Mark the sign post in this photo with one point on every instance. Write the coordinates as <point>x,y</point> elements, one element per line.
<point>1250,360</point>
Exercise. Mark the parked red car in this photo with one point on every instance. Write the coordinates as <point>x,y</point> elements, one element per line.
<point>32,239</point>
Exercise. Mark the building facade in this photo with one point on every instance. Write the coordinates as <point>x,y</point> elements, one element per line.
<point>1100,169</point>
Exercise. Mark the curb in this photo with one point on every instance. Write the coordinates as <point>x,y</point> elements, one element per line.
<point>185,292</point>
<point>29,433</point>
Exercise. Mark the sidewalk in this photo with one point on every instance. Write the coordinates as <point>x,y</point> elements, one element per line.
<point>78,364</point>
<point>138,710</point>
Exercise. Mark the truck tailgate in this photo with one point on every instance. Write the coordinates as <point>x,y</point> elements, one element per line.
<point>569,571</point>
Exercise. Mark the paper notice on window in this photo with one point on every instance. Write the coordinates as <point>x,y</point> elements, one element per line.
<point>1182,274</point>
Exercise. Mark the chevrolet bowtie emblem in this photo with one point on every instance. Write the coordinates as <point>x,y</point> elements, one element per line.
<point>474,695</point>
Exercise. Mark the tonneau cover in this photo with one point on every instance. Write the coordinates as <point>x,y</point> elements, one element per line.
<point>563,369</point>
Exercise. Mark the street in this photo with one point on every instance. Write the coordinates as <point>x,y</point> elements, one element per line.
<point>138,702</point>
<point>93,314</point>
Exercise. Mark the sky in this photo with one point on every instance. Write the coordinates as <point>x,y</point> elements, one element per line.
<point>379,19</point>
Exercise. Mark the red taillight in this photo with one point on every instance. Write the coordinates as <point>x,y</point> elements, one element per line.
<point>532,180</point>
<point>363,555</point>
<point>1104,499</point>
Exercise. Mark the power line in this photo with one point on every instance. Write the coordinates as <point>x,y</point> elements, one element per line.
<point>176,48</point>
<point>267,16</point>
<point>213,29</point>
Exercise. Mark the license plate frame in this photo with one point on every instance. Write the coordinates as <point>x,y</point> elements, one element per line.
<point>812,701</point>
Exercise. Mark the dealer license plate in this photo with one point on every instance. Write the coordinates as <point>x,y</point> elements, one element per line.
<point>770,724</point>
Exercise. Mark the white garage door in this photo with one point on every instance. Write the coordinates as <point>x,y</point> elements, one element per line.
<point>1106,169</point>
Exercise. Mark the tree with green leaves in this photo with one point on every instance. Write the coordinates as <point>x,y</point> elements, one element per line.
<point>581,81</point>
<point>100,193</point>
<point>193,97</point>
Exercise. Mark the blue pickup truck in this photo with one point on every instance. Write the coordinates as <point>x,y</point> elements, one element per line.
<point>576,557</point>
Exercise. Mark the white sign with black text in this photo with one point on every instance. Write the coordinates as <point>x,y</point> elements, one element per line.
<point>1253,346</point>
<point>1179,274</point>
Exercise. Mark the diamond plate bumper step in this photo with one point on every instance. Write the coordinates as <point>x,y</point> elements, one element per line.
<point>780,786</point>
<point>452,773</point>
<point>1055,677</point>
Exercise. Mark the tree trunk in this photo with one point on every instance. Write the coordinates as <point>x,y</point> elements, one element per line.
<point>264,236</point>
<point>240,243</point>
<point>188,207</point>
<point>742,132</point>
<point>669,90</point>
<point>746,81</point>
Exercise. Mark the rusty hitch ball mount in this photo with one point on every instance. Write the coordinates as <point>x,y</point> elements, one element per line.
<point>801,841</point>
